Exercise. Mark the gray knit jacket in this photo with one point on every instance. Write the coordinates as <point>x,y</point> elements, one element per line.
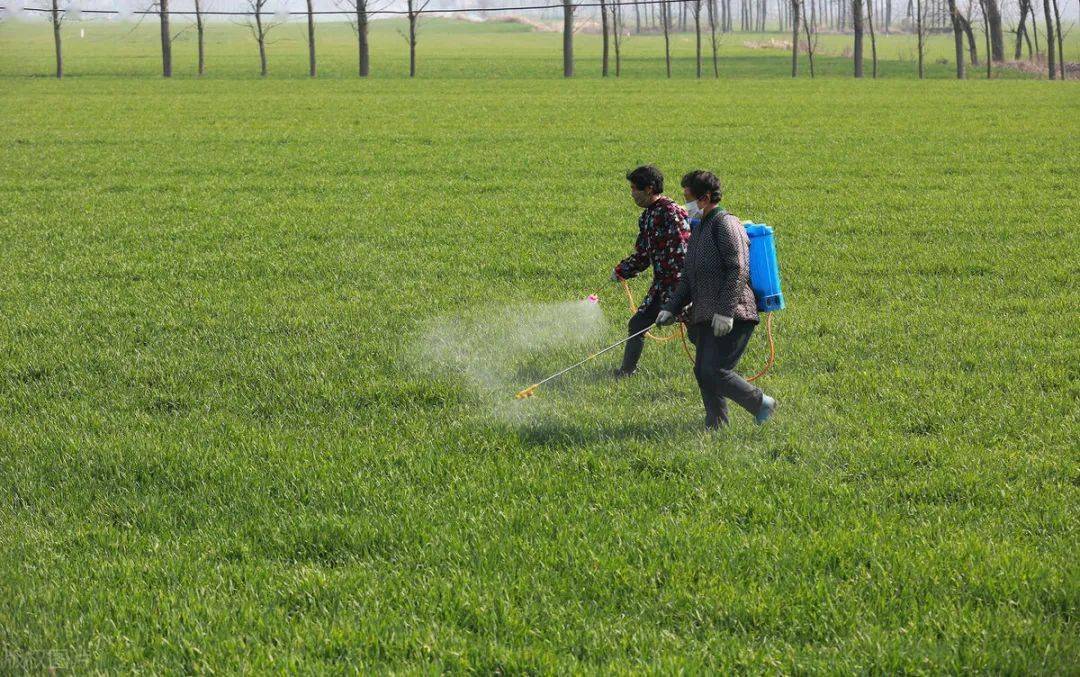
<point>716,272</point>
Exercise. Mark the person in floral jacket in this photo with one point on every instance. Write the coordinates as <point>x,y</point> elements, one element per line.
<point>663,233</point>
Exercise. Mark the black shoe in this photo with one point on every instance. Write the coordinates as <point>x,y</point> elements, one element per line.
<point>622,373</point>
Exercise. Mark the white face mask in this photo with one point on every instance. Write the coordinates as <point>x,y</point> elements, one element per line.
<point>692,209</point>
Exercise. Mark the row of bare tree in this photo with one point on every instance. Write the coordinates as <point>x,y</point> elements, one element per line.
<point>260,22</point>
<point>994,36</point>
<point>666,16</point>
<point>860,14</point>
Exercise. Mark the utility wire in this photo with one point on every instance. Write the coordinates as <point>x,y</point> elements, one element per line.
<point>351,12</point>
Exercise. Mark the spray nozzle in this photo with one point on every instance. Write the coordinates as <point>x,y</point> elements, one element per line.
<point>526,393</point>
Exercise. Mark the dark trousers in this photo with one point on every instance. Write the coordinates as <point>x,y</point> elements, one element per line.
<point>714,363</point>
<point>644,317</point>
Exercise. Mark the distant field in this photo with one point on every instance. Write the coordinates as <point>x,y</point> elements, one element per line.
<point>224,445</point>
<point>447,49</point>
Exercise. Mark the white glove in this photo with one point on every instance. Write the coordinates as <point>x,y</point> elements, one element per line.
<point>721,325</point>
<point>665,318</point>
<point>614,276</point>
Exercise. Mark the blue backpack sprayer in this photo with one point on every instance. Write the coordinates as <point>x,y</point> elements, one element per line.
<point>764,268</point>
<point>764,280</point>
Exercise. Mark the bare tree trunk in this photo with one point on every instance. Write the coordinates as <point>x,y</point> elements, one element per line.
<point>568,40</point>
<point>665,14</point>
<point>311,38</point>
<point>261,38</point>
<point>809,48</point>
<point>616,33</point>
<point>362,37</point>
<point>986,34</point>
<point>637,17</point>
<point>919,26</point>
<point>166,39</point>
<point>1060,41</point>
<point>888,16</point>
<point>604,28</point>
<point>873,37</point>
<point>958,39</point>
<point>696,8</point>
<point>712,34</point>
<point>972,45</point>
<point>856,23</point>
<point>412,39</point>
<point>201,27</point>
<point>1021,31</point>
<point>1049,38</point>
<point>56,39</point>
<point>794,38</point>
<point>997,34</point>
<point>1035,30</point>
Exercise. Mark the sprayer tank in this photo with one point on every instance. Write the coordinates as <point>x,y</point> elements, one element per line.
<point>764,268</point>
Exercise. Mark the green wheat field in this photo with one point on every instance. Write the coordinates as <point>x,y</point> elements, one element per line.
<point>259,341</point>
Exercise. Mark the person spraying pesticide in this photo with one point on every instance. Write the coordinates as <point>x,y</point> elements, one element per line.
<point>716,281</point>
<point>663,233</point>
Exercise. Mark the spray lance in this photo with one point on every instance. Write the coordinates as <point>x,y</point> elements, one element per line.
<point>528,392</point>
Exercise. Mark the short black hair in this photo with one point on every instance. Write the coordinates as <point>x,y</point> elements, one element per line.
<point>645,176</point>
<point>688,177</point>
<point>704,184</point>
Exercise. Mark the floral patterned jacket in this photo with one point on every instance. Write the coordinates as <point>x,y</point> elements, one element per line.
<point>663,233</point>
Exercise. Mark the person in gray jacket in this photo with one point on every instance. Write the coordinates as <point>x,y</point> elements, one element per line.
<point>716,280</point>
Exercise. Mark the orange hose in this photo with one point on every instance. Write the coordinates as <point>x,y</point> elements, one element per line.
<point>772,350</point>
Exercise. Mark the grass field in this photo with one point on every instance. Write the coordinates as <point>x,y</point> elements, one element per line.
<point>223,445</point>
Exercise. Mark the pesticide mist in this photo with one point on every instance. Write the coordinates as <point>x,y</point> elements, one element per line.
<point>499,352</point>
